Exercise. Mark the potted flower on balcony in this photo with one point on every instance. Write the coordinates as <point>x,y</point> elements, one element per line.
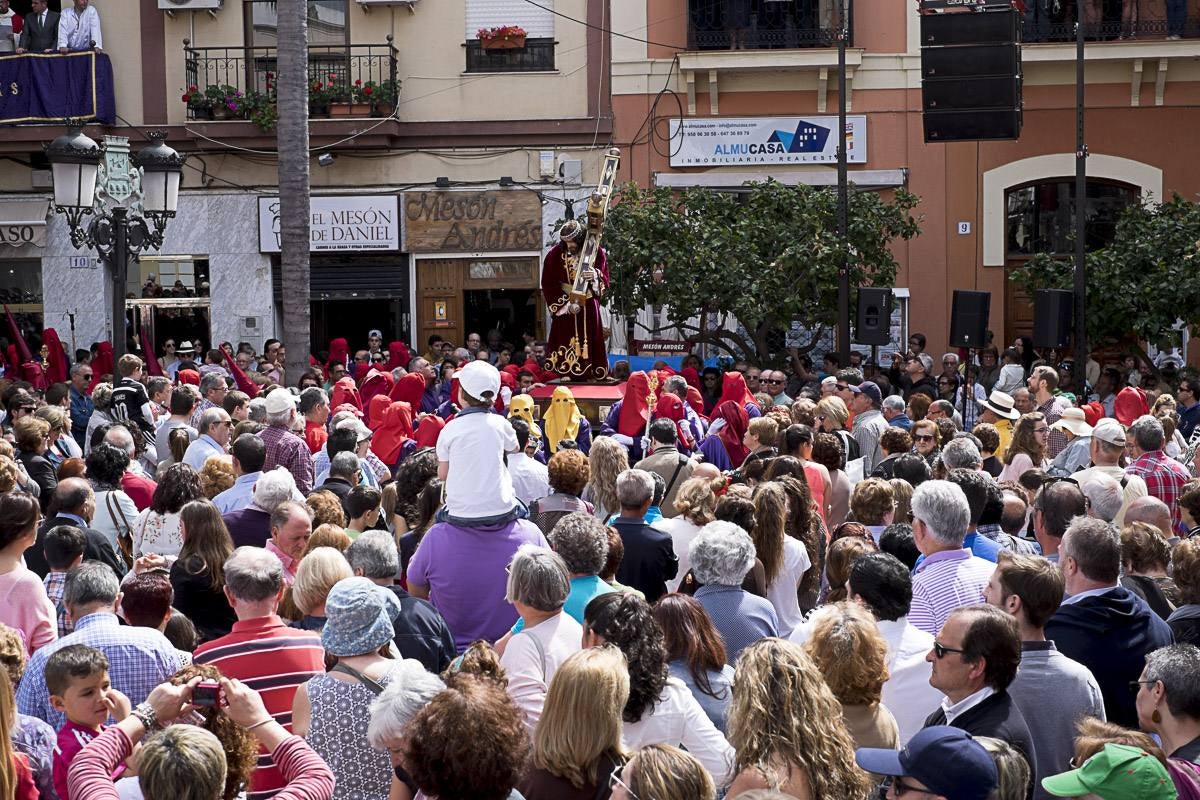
<point>197,103</point>
<point>360,100</point>
<point>502,37</point>
<point>320,95</point>
<point>384,96</point>
<point>262,108</point>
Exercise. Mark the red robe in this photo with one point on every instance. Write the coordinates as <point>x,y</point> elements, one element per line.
<point>592,364</point>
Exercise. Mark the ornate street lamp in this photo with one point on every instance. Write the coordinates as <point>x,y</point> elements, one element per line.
<point>100,181</point>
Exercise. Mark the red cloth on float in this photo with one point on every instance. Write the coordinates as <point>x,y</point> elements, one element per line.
<point>398,356</point>
<point>393,433</point>
<point>593,363</point>
<point>409,389</point>
<point>376,407</point>
<point>635,408</point>
<point>733,387</point>
<point>345,391</point>
<point>429,430</point>
<point>736,423</point>
<point>57,357</point>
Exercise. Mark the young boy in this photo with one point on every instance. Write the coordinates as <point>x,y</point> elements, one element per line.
<point>470,451</point>
<point>63,547</point>
<point>77,679</point>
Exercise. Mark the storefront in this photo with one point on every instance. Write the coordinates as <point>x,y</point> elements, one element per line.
<point>22,242</point>
<point>476,262</point>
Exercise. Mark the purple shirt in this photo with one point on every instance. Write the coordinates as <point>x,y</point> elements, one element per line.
<point>464,569</point>
<point>943,582</point>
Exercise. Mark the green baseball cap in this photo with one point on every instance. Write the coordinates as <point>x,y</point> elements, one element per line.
<point>1118,772</point>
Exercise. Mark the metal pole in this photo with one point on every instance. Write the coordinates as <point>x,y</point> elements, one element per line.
<point>843,195</point>
<point>1081,154</point>
<point>119,262</point>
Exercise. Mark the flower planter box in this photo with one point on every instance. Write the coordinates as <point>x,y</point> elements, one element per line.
<point>349,109</point>
<point>318,110</point>
<point>221,112</point>
<point>507,43</point>
<point>202,113</point>
<point>384,109</point>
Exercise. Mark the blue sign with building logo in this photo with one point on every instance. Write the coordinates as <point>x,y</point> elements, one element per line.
<point>727,141</point>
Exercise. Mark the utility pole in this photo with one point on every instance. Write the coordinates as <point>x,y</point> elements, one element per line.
<point>843,193</point>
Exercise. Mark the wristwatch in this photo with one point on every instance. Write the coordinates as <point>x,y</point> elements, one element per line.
<point>144,713</point>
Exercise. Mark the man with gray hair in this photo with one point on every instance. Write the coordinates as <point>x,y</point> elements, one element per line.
<point>894,411</point>
<point>74,502</point>
<point>721,555</point>
<point>961,453</point>
<point>1106,450</point>
<point>251,526</point>
<point>947,576</point>
<point>139,658</point>
<point>1103,497</point>
<point>212,388</point>
<point>649,560</point>
<point>215,429</point>
<point>420,631</point>
<point>258,410</point>
<point>678,386</point>
<point>284,448</point>
<point>261,649</point>
<point>1101,624</point>
<point>1164,476</point>
<point>343,475</point>
<point>1176,668</point>
<point>291,528</point>
<point>134,482</point>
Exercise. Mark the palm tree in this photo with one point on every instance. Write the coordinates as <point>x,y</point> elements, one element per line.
<point>292,90</point>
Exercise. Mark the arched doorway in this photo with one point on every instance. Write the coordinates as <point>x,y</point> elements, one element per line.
<point>1040,218</point>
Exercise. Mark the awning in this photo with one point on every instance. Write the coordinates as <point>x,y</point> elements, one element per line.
<point>23,222</point>
<point>862,178</point>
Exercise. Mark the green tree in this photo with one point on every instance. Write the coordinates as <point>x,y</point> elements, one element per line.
<point>763,258</point>
<point>1139,286</point>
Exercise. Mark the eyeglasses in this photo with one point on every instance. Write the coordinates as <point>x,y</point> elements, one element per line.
<point>940,650</point>
<point>1136,686</point>
<point>86,376</point>
<point>901,787</point>
<point>1041,430</point>
<point>771,380</point>
<point>360,358</point>
<point>614,780</point>
<point>379,359</point>
<point>923,437</point>
<point>842,387</point>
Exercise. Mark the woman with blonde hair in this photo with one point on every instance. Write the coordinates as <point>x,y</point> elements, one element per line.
<point>328,535</point>
<point>216,475</point>
<point>837,565</point>
<point>786,728</point>
<point>851,653</point>
<point>1011,768</point>
<point>317,574</point>
<point>327,508</point>
<point>784,559</point>
<point>572,761</point>
<point>1027,450</point>
<point>902,492</point>
<point>695,506</point>
<point>607,459</point>
<point>832,416</point>
<point>662,772</point>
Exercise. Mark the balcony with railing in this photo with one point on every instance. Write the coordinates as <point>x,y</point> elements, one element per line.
<point>238,83</point>
<point>763,24</point>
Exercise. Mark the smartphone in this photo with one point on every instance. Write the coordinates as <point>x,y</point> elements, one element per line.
<point>206,693</point>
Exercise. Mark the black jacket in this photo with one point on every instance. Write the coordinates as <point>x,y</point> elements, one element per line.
<point>37,38</point>
<point>97,548</point>
<point>1110,634</point>
<point>999,717</point>
<point>649,560</point>
<point>43,474</point>
<point>421,633</point>
<point>340,487</point>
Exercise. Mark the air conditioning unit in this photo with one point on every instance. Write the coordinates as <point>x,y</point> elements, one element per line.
<point>367,5</point>
<point>188,5</point>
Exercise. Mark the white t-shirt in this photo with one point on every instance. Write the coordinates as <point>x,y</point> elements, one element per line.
<point>478,484</point>
<point>530,667</point>
<point>782,591</point>
<point>678,719</point>
<point>682,531</point>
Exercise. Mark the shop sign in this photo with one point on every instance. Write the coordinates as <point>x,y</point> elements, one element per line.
<point>351,222</point>
<point>725,141</point>
<point>506,220</point>
<point>22,234</point>
<point>660,346</point>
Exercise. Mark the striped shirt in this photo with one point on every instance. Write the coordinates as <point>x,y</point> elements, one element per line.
<point>272,659</point>
<point>943,582</point>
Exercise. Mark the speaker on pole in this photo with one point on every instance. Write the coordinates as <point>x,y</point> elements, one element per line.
<point>873,324</point>
<point>969,318</point>
<point>1053,313</point>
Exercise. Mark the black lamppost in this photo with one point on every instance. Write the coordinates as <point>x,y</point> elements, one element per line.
<point>81,189</point>
<point>843,192</point>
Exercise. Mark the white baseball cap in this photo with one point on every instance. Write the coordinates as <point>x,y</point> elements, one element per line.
<point>480,380</point>
<point>280,400</point>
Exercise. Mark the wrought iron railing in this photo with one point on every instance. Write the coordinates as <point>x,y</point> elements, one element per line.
<point>536,56</point>
<point>339,68</point>
<point>1051,27</point>
<point>765,24</point>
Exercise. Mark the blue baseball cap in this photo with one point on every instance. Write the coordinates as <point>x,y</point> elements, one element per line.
<point>947,760</point>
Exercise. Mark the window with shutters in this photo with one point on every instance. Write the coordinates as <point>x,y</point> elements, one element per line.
<point>537,53</point>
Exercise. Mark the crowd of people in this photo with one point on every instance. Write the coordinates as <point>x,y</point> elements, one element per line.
<point>402,576</point>
<point>42,30</point>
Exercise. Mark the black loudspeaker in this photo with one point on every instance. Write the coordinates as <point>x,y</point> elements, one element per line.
<point>969,318</point>
<point>971,75</point>
<point>1053,314</point>
<point>874,322</point>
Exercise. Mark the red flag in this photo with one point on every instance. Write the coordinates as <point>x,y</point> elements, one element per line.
<point>152,365</point>
<point>18,340</point>
<point>57,357</point>
<point>239,376</point>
